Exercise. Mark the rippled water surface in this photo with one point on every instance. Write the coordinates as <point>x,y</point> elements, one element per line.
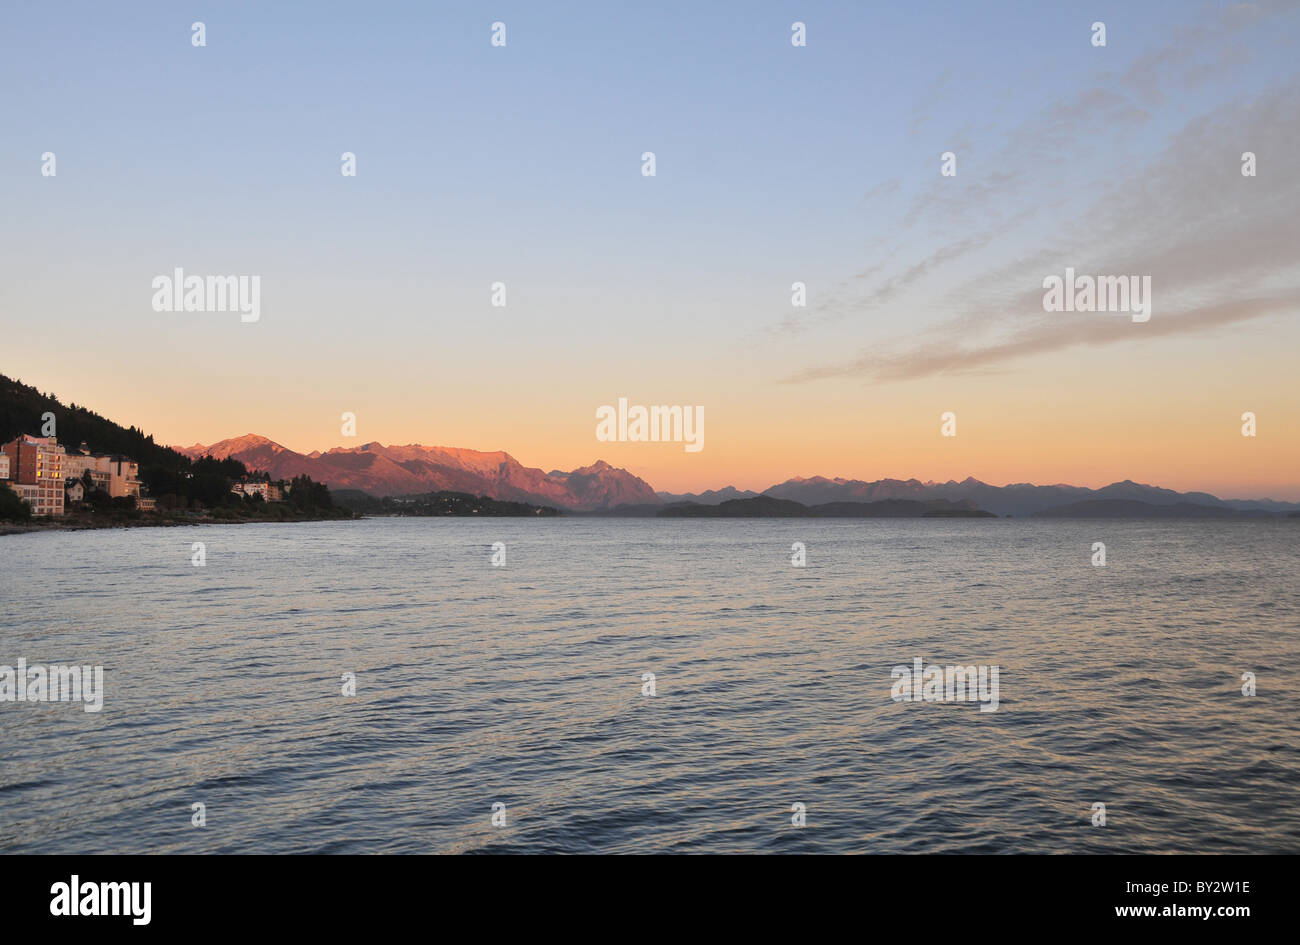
<point>523,685</point>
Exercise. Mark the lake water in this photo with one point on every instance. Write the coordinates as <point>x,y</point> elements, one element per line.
<point>522,685</point>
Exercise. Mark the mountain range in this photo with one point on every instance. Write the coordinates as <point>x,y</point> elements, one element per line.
<point>1021,499</point>
<point>408,470</point>
<point>413,469</point>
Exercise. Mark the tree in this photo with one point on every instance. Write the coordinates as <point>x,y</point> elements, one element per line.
<point>307,495</point>
<point>12,507</point>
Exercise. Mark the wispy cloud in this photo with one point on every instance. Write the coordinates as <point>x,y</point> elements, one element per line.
<point>1040,339</point>
<point>1220,248</point>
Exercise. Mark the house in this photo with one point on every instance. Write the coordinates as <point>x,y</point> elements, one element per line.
<point>73,491</point>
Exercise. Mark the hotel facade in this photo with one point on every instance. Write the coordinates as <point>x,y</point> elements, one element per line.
<point>39,470</point>
<point>116,475</point>
<point>35,472</point>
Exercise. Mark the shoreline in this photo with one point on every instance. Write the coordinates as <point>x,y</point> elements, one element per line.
<point>22,528</point>
<point>13,528</point>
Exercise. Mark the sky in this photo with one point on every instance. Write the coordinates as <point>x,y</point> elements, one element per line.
<point>774,164</point>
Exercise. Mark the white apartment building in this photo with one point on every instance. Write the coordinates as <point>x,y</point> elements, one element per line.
<point>116,475</point>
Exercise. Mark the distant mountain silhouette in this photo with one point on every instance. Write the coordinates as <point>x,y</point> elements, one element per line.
<point>1019,499</point>
<point>1131,508</point>
<point>765,506</point>
<point>709,496</point>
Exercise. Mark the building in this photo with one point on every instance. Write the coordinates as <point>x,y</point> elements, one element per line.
<point>78,464</point>
<point>42,473</point>
<point>269,491</point>
<point>116,475</point>
<point>253,488</point>
<point>29,494</point>
<point>36,464</point>
<point>124,477</point>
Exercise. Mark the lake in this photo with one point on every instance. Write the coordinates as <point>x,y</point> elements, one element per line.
<point>524,686</point>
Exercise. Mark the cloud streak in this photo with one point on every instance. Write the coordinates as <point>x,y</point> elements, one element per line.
<point>1221,248</point>
<point>1041,339</point>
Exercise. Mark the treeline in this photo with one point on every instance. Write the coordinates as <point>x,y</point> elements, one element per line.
<point>172,478</point>
<point>163,471</point>
<point>12,508</point>
<point>308,495</point>
<point>22,407</point>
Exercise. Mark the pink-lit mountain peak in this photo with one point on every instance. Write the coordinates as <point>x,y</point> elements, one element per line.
<point>414,468</point>
<point>222,449</point>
